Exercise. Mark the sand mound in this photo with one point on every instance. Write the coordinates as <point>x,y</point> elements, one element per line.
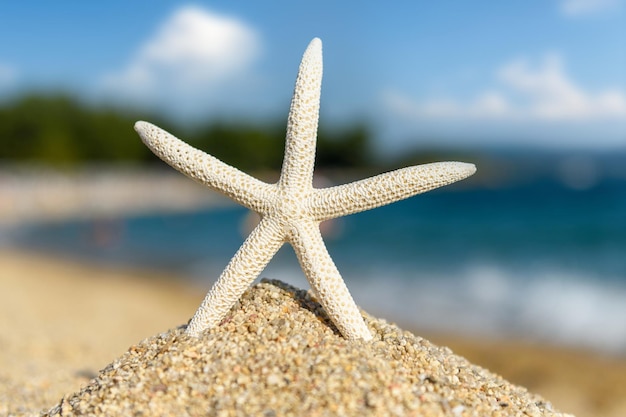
<point>277,354</point>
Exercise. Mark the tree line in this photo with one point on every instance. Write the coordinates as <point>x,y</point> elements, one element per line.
<point>57,129</point>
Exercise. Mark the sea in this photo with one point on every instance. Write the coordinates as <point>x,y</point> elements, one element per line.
<point>542,261</point>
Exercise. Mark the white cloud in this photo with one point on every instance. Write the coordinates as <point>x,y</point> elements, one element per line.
<point>8,75</point>
<point>487,105</point>
<point>543,93</point>
<point>551,94</point>
<point>192,52</point>
<point>574,8</point>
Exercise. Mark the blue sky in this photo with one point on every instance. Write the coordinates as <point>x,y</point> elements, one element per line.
<point>450,73</point>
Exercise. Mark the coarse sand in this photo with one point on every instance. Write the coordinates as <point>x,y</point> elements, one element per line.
<point>277,354</point>
<point>61,321</point>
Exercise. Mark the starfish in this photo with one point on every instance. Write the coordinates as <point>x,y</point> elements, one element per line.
<point>291,209</point>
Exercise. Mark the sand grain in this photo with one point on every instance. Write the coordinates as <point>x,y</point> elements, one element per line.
<point>277,354</point>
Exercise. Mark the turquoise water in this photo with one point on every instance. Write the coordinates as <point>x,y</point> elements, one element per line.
<point>540,261</point>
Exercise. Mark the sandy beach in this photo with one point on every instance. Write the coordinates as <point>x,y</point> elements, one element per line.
<point>38,193</point>
<point>62,322</point>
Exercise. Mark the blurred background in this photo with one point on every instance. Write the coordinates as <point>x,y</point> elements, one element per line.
<point>532,248</point>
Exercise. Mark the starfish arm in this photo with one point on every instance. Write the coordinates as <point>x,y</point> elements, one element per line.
<point>326,281</point>
<point>243,268</point>
<point>204,168</point>
<point>328,203</point>
<point>297,170</point>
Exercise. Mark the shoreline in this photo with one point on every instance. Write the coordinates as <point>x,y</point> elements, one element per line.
<point>33,194</point>
<point>59,328</point>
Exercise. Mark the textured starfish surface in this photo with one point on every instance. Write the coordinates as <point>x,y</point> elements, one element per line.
<point>291,209</point>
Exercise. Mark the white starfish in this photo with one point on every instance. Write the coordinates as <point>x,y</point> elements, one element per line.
<point>291,209</point>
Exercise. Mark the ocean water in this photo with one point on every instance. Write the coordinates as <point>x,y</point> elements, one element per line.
<point>540,261</point>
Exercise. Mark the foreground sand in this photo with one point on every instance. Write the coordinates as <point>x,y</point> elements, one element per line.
<point>277,354</point>
<point>60,323</point>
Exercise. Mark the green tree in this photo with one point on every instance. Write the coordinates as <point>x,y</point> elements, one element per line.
<point>60,130</point>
